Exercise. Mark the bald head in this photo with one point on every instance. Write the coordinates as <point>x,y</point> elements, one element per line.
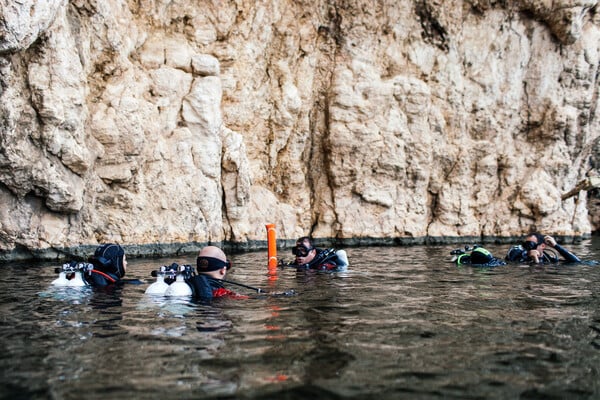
<point>214,252</point>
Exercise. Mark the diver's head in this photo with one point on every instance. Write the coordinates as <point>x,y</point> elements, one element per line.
<point>304,250</point>
<point>111,258</point>
<point>533,241</point>
<point>212,261</point>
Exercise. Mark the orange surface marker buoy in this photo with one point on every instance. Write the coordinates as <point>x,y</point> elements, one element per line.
<point>272,247</point>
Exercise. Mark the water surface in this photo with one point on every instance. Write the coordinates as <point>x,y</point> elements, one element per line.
<point>401,322</point>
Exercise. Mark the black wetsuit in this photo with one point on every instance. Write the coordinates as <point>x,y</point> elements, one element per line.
<point>325,260</point>
<point>519,254</point>
<point>206,288</point>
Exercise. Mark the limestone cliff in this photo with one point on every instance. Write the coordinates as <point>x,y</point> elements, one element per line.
<point>189,121</point>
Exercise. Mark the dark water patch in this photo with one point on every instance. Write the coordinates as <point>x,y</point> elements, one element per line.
<point>401,322</point>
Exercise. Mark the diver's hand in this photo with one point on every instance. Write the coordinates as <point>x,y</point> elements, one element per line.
<point>549,240</point>
<point>535,256</point>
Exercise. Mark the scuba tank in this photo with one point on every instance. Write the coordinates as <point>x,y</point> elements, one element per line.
<point>71,274</point>
<point>342,258</point>
<point>180,287</point>
<point>160,286</point>
<point>77,280</point>
<point>61,280</point>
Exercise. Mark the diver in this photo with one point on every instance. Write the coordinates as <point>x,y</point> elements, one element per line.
<point>212,266</point>
<point>207,284</point>
<point>310,257</point>
<point>475,256</point>
<point>534,250</point>
<point>110,265</point>
<point>106,267</point>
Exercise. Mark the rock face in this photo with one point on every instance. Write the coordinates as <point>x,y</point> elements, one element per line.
<point>198,121</point>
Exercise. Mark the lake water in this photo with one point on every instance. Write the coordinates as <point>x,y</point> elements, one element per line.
<point>401,322</point>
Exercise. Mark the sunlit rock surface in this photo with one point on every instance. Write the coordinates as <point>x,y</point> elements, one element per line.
<point>181,122</point>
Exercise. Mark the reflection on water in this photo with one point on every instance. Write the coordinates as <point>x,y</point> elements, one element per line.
<point>401,322</point>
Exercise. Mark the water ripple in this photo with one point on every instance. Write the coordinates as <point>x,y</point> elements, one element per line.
<point>401,322</point>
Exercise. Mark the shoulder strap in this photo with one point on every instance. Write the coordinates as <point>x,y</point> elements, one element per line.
<point>104,274</point>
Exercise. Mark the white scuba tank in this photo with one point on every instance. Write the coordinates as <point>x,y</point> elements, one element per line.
<point>61,280</point>
<point>77,280</point>
<point>180,286</point>
<point>160,286</point>
<point>343,257</point>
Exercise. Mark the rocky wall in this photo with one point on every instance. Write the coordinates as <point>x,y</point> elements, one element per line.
<point>184,122</point>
